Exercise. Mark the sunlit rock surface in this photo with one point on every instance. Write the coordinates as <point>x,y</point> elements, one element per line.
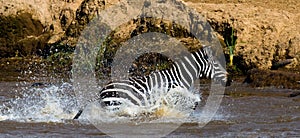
<point>267,32</point>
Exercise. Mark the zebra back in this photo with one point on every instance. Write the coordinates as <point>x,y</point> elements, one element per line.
<point>182,73</point>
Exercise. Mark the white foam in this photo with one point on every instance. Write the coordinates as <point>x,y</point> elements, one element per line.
<point>47,104</point>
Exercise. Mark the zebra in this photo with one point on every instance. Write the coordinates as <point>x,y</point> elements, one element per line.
<point>182,73</point>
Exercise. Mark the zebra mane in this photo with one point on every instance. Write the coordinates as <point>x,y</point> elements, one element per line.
<point>210,57</point>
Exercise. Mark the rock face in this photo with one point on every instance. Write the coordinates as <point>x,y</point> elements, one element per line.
<point>19,31</point>
<point>264,36</point>
<point>28,26</point>
<point>87,10</point>
<point>54,15</point>
<point>266,33</point>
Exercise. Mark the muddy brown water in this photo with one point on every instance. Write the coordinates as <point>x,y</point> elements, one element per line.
<point>244,112</point>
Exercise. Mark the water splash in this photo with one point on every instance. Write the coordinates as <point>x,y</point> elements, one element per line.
<point>45,103</point>
<point>165,106</point>
<point>57,103</point>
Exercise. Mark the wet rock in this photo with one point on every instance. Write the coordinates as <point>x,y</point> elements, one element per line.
<point>32,46</point>
<point>273,78</point>
<point>281,63</point>
<point>294,94</point>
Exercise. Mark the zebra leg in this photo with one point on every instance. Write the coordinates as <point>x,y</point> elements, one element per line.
<point>197,102</point>
<point>196,89</point>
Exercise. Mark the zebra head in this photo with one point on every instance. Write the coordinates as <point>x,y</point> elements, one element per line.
<point>215,69</point>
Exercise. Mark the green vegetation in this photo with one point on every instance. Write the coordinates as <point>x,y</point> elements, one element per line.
<point>60,57</point>
<point>230,41</point>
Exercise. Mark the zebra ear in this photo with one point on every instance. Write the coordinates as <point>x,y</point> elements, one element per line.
<point>208,51</point>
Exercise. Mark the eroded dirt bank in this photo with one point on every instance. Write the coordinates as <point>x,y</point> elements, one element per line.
<point>267,32</point>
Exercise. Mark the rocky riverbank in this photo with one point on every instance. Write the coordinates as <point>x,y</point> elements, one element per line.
<point>267,32</point>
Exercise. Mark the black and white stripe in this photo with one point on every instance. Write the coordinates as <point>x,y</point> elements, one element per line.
<point>183,73</point>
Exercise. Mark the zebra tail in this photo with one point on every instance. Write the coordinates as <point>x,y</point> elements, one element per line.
<point>78,114</point>
<point>81,110</point>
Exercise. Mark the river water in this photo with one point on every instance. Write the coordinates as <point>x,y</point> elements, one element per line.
<point>47,111</point>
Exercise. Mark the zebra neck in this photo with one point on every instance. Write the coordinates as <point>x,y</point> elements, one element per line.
<point>201,60</point>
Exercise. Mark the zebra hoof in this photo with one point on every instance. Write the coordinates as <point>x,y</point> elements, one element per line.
<point>195,106</point>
